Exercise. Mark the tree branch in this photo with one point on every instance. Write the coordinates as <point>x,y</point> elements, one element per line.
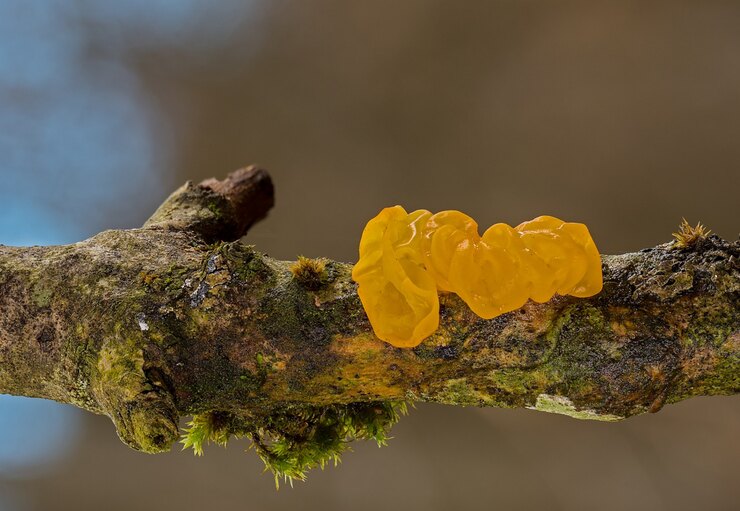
<point>218,210</point>
<point>176,318</point>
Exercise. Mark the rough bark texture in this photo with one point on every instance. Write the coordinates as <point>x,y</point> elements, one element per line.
<point>176,318</point>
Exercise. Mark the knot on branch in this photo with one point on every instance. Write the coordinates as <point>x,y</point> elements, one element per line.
<point>142,410</point>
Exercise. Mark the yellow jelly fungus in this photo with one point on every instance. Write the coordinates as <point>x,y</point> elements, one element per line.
<point>398,293</point>
<point>406,258</point>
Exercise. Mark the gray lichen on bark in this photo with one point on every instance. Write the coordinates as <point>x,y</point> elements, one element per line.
<point>179,317</point>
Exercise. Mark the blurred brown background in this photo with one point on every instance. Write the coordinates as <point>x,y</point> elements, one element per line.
<point>621,115</point>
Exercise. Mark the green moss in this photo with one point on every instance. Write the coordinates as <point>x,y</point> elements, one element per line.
<point>203,429</point>
<point>293,441</point>
<point>310,273</point>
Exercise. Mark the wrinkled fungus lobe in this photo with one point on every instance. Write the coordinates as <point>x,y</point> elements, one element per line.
<point>406,258</point>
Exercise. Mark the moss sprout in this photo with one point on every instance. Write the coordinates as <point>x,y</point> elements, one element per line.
<point>688,235</point>
<point>310,273</point>
<point>203,429</point>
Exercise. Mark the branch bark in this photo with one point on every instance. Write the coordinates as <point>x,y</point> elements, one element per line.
<point>179,318</point>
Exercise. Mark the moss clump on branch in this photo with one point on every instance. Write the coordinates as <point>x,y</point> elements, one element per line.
<point>292,442</point>
<point>688,235</point>
<point>310,273</point>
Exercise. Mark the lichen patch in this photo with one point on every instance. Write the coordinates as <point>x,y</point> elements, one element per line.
<point>564,406</point>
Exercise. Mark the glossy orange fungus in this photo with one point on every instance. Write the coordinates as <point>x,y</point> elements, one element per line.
<point>406,258</point>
